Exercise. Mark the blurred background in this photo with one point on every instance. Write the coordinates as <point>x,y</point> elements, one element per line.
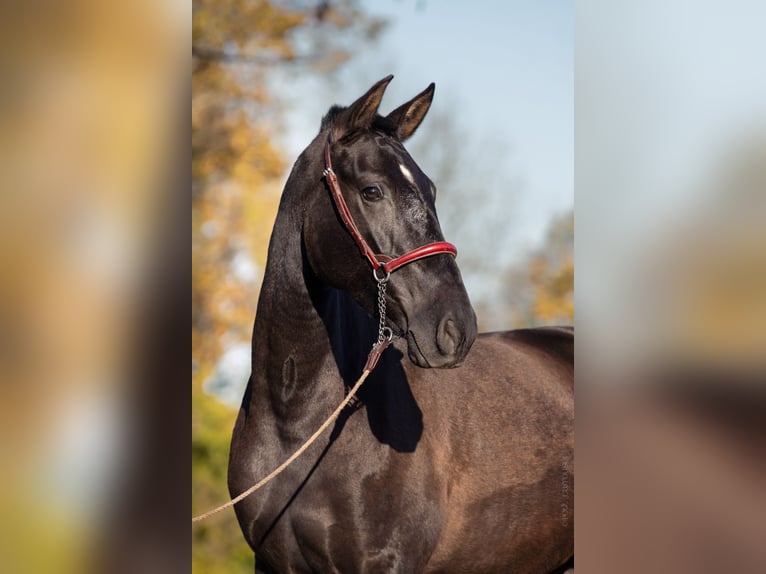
<point>669,147</point>
<point>91,173</point>
<point>498,143</point>
<point>670,180</point>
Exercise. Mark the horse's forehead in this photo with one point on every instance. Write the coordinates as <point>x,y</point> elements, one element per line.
<point>407,173</point>
<point>390,155</point>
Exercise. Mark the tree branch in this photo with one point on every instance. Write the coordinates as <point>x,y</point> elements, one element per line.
<point>206,54</point>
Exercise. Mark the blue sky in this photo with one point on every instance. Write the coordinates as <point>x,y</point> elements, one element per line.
<point>509,65</point>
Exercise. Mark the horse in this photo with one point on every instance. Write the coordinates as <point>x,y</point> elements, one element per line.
<point>458,454</point>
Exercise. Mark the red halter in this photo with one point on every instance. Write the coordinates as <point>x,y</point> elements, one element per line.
<point>378,261</point>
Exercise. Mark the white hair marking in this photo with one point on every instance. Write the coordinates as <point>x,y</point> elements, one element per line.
<point>407,174</point>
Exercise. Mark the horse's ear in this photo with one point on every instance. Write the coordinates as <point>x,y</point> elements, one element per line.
<point>361,113</point>
<point>407,117</point>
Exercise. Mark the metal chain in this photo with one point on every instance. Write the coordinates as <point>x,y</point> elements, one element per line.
<point>384,333</point>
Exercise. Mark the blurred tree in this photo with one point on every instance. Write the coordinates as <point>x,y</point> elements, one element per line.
<point>236,168</point>
<point>236,177</point>
<point>540,289</point>
<point>703,275</point>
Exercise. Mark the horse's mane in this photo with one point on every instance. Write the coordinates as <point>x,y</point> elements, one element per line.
<point>329,118</point>
<point>379,123</point>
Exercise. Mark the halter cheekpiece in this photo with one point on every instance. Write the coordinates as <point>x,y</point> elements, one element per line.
<point>378,261</point>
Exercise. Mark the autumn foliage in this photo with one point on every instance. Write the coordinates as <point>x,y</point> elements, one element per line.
<point>237,173</point>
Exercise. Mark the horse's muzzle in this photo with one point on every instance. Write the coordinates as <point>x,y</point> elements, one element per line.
<point>447,347</point>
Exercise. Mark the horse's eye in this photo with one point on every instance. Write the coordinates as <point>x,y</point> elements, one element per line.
<point>372,193</point>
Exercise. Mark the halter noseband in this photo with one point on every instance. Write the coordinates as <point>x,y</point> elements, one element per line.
<point>378,261</point>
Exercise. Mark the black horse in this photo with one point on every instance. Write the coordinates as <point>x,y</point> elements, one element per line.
<point>464,469</point>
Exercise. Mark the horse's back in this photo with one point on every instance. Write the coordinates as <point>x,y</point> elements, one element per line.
<point>533,358</point>
<point>508,378</point>
<point>550,348</point>
<point>555,341</point>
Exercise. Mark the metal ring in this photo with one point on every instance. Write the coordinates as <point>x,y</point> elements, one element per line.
<point>387,333</point>
<point>383,279</point>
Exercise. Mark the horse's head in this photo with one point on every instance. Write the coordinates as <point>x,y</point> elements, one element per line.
<point>391,202</point>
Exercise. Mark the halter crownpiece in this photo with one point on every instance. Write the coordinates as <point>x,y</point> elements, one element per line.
<point>378,261</point>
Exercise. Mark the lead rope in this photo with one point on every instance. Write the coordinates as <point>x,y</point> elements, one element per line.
<point>385,335</point>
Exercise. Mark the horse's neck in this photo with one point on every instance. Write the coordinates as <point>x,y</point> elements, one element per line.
<point>309,341</point>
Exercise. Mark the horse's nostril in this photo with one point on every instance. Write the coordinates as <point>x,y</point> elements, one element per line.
<point>448,338</point>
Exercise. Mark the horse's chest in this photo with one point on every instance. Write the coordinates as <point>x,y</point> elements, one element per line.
<point>361,510</point>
